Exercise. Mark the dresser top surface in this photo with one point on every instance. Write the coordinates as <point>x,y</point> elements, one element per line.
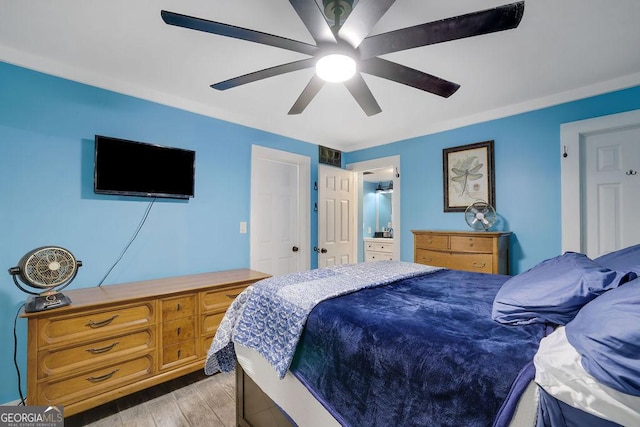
<point>463,233</point>
<point>96,296</point>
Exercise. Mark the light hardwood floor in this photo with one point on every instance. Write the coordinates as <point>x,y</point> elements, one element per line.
<point>192,400</point>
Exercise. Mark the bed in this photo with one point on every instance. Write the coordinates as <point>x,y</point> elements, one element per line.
<point>394,343</point>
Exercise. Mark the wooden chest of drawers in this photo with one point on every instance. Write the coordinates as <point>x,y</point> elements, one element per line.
<point>481,251</point>
<point>118,339</point>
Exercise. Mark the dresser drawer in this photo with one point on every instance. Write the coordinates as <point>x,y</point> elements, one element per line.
<point>434,258</point>
<point>482,263</point>
<point>178,330</point>
<point>471,244</point>
<point>91,325</point>
<point>383,247</point>
<point>210,323</point>
<point>101,380</point>
<point>206,343</point>
<point>174,308</point>
<point>178,353</point>
<point>456,261</point>
<point>432,241</point>
<point>87,356</point>
<point>378,256</point>
<point>219,300</point>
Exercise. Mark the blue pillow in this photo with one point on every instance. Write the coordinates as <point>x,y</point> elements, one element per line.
<point>554,290</point>
<point>627,259</point>
<point>606,333</point>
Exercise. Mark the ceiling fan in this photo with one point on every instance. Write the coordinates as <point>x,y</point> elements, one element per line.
<point>341,34</point>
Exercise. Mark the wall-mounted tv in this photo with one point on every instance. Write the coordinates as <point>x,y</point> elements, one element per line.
<point>134,168</point>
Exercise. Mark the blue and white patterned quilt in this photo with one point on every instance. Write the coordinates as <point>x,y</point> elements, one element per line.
<point>270,315</point>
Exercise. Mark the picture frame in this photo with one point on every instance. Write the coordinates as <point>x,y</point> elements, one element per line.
<point>468,175</point>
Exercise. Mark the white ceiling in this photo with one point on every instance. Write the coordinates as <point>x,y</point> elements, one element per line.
<point>562,50</point>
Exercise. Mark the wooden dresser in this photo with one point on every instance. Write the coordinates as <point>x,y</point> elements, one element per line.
<point>482,251</point>
<point>118,339</point>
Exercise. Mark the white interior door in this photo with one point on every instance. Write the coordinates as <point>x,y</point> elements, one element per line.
<point>612,187</point>
<point>280,220</point>
<point>337,211</point>
<point>597,201</point>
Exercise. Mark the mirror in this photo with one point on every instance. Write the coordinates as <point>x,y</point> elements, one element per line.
<point>377,211</point>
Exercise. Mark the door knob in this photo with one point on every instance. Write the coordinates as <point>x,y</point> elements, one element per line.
<point>294,249</point>
<point>323,251</point>
<point>317,249</point>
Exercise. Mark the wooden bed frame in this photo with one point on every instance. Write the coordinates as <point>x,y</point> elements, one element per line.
<point>253,407</point>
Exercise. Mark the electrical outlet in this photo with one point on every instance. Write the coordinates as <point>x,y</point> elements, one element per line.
<point>243,227</point>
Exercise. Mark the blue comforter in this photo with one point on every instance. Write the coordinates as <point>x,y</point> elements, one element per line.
<point>423,351</point>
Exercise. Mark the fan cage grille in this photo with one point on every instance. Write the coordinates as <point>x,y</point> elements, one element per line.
<point>486,219</point>
<point>47,267</point>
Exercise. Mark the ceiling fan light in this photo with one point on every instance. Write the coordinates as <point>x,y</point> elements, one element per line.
<point>336,67</point>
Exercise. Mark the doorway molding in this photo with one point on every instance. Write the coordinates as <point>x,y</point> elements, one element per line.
<point>379,163</point>
<point>572,138</point>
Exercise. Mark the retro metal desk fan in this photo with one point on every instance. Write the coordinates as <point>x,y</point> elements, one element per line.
<point>49,268</point>
<point>480,215</point>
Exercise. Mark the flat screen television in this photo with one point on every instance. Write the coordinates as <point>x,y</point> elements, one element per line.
<point>134,168</point>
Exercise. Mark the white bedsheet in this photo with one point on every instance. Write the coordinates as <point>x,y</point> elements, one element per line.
<point>560,373</point>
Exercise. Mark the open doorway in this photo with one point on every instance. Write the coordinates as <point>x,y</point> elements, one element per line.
<point>378,183</point>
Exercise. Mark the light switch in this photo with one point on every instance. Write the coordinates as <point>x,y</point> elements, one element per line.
<point>243,227</point>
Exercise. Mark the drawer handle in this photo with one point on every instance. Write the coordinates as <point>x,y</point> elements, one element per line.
<point>429,240</point>
<point>102,323</point>
<point>178,331</point>
<point>178,307</point>
<point>103,349</point>
<point>232,296</point>
<point>479,265</point>
<point>427,259</point>
<point>102,377</point>
<point>179,353</point>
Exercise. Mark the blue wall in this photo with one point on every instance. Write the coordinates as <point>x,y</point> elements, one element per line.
<point>527,175</point>
<point>47,127</point>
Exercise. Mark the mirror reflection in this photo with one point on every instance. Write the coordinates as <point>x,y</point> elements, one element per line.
<point>377,210</point>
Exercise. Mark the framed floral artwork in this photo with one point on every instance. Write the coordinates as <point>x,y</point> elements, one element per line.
<point>468,176</point>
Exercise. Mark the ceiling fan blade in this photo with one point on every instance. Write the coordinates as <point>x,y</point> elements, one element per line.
<point>263,74</point>
<point>364,16</point>
<point>458,27</point>
<point>314,20</point>
<point>408,76</point>
<point>227,30</point>
<point>309,92</point>
<point>362,94</point>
